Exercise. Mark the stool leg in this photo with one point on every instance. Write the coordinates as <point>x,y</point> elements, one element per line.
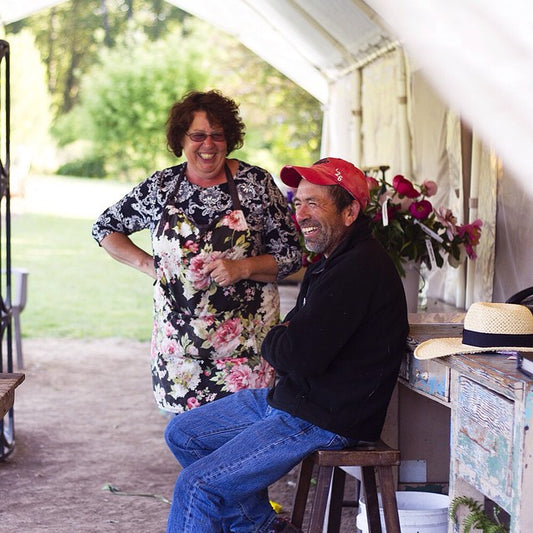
<point>320,501</point>
<point>388,497</point>
<point>336,500</point>
<point>302,491</point>
<point>371,496</point>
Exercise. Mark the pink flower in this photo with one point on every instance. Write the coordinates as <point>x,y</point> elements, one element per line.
<point>429,188</point>
<point>471,233</point>
<point>421,210</point>
<point>192,403</point>
<point>196,272</point>
<point>262,376</point>
<point>221,364</point>
<point>226,336</point>
<point>238,378</point>
<point>448,220</point>
<point>191,246</point>
<point>404,187</point>
<point>235,221</point>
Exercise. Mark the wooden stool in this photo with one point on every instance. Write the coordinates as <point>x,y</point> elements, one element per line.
<point>370,458</point>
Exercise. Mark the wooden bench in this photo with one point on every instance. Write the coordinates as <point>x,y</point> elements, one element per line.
<point>8,384</point>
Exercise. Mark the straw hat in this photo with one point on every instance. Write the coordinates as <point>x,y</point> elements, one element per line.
<point>488,327</point>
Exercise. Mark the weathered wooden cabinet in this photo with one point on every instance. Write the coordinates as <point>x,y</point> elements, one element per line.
<point>466,421</point>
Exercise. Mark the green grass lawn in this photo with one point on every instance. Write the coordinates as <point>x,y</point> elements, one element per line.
<point>74,288</point>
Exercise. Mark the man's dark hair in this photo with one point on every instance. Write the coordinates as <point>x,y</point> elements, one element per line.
<point>220,110</point>
<point>341,197</point>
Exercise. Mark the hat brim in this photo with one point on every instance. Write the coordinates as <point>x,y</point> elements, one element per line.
<point>433,348</point>
<point>291,176</point>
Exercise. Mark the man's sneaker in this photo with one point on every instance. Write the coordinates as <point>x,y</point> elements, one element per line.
<point>283,525</point>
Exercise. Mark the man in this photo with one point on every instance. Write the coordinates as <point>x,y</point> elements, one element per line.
<point>336,356</point>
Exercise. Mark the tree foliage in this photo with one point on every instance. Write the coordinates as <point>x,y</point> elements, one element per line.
<point>126,97</point>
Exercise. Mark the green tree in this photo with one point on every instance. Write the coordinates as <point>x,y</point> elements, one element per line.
<point>126,98</point>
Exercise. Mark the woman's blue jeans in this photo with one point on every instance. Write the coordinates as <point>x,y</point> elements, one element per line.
<point>231,450</point>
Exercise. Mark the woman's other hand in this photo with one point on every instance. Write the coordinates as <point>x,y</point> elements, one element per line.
<point>122,248</point>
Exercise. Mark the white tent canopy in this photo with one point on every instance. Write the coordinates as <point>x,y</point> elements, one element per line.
<point>369,63</point>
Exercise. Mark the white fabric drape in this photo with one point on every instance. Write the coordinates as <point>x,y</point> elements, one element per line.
<point>381,128</point>
<point>478,56</point>
<point>341,124</point>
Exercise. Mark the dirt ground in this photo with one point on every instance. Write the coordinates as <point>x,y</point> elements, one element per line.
<point>85,419</point>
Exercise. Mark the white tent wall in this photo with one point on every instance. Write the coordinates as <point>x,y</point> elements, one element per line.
<point>341,125</point>
<point>405,125</point>
<point>513,267</point>
<point>437,156</point>
<point>381,123</point>
<point>483,205</point>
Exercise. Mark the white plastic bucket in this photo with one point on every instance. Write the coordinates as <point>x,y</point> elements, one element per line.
<point>419,512</point>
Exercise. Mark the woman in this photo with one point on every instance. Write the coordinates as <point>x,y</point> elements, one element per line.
<point>221,238</point>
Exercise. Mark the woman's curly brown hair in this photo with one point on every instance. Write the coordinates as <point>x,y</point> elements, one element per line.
<point>220,111</point>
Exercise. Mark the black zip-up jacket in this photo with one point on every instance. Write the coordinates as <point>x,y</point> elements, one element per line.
<point>337,360</point>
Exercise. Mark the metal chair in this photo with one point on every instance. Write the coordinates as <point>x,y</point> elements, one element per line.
<point>371,458</point>
<point>19,293</point>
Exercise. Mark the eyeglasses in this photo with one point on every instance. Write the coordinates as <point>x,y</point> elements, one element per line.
<point>200,136</point>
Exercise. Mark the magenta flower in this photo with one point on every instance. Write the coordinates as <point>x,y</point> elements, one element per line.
<point>372,183</point>
<point>404,187</point>
<point>421,210</point>
<point>471,233</point>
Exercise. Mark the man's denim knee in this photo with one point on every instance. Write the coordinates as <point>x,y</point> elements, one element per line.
<point>172,435</point>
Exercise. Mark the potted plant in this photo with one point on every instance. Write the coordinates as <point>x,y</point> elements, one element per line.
<point>476,518</point>
<point>411,229</point>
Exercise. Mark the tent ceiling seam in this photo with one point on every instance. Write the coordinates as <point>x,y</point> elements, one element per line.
<point>370,58</point>
<point>322,71</point>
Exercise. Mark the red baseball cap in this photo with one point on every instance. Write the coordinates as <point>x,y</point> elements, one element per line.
<point>330,171</point>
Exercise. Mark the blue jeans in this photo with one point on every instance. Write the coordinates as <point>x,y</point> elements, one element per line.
<point>231,450</point>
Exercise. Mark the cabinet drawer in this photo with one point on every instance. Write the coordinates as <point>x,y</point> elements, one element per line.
<point>430,377</point>
<point>483,428</point>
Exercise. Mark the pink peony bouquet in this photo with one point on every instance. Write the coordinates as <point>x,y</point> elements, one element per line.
<point>410,228</point>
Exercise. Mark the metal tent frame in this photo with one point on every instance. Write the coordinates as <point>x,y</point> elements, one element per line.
<point>7,424</point>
